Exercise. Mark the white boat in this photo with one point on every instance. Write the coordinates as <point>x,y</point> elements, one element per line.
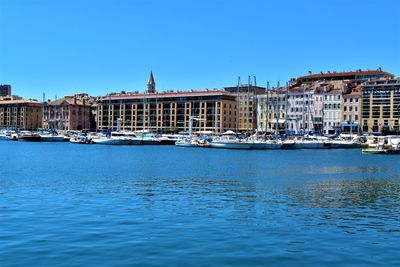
<point>191,142</point>
<point>309,143</point>
<point>149,139</point>
<point>343,143</point>
<point>229,140</point>
<point>81,139</point>
<point>115,138</point>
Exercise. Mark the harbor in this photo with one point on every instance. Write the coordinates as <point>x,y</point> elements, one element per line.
<point>274,207</point>
<point>227,140</point>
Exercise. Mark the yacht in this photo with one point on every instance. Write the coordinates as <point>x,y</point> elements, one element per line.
<point>344,143</point>
<point>229,140</point>
<point>114,138</point>
<point>28,137</point>
<point>149,139</point>
<point>51,137</point>
<point>308,142</point>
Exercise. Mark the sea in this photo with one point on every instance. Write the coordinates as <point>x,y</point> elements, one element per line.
<point>64,204</point>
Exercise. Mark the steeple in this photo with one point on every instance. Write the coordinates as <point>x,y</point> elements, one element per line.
<point>151,84</point>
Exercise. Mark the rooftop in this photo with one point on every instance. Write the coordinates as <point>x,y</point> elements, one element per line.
<point>19,101</point>
<point>192,93</point>
<point>346,73</point>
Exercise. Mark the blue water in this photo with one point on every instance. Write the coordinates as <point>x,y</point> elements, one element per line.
<point>64,204</point>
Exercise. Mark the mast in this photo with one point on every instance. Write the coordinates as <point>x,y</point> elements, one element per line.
<point>247,106</point>
<point>267,114</point>
<point>302,111</point>
<point>255,101</point>
<point>286,106</point>
<point>277,111</point>
<point>237,105</point>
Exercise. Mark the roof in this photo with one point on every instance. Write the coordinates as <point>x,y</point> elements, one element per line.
<point>168,94</point>
<point>346,73</point>
<point>352,94</point>
<point>18,101</point>
<point>334,92</point>
<point>151,78</point>
<point>68,100</point>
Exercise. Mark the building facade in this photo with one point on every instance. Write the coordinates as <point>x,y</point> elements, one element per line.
<point>351,112</point>
<point>246,96</point>
<point>271,111</point>
<point>168,111</point>
<point>300,110</point>
<point>5,90</point>
<point>332,111</point>
<point>20,114</point>
<point>380,105</point>
<point>69,113</point>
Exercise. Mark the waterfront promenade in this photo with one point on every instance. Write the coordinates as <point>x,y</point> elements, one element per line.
<point>165,206</point>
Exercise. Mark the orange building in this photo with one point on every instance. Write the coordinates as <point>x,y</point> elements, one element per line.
<point>21,114</point>
<point>69,113</point>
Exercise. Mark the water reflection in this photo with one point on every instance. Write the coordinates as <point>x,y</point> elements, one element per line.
<point>353,205</point>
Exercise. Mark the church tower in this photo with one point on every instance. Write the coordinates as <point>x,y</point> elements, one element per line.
<point>151,84</point>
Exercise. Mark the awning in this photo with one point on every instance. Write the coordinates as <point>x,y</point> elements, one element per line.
<point>345,124</point>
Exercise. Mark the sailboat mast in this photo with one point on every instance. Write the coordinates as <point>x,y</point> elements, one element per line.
<point>286,106</point>
<point>247,106</point>
<point>255,102</point>
<point>277,110</point>
<point>267,113</point>
<point>237,104</point>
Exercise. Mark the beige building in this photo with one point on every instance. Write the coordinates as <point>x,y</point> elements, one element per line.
<point>381,105</point>
<point>247,105</point>
<point>69,113</point>
<point>271,111</point>
<point>167,111</point>
<point>351,112</point>
<point>21,114</point>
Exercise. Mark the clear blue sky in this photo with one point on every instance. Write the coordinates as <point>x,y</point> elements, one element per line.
<point>70,46</point>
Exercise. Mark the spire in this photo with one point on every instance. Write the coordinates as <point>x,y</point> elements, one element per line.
<point>151,84</point>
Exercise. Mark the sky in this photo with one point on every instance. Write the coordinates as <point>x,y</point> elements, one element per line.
<point>97,46</point>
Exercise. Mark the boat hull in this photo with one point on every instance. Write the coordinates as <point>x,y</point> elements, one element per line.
<point>29,139</point>
<point>266,145</point>
<point>309,145</point>
<point>114,142</point>
<point>230,145</point>
<point>52,138</point>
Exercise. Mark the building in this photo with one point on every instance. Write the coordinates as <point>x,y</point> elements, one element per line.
<point>271,111</point>
<point>351,112</point>
<point>151,85</point>
<point>20,114</point>
<point>318,110</point>
<point>337,78</point>
<point>5,90</point>
<point>300,110</point>
<point>247,107</point>
<point>380,105</point>
<point>332,111</point>
<point>69,113</point>
<point>166,112</point>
